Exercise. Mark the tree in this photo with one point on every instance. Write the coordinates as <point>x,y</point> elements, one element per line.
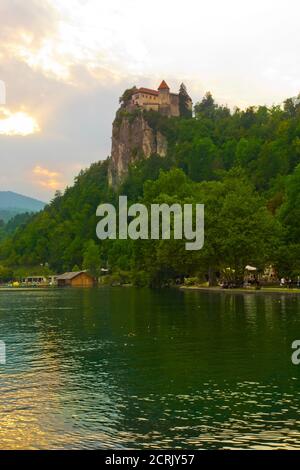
<point>289,213</point>
<point>126,97</point>
<point>206,107</point>
<point>239,230</point>
<point>91,258</point>
<point>292,106</point>
<point>6,274</point>
<point>184,102</point>
<point>202,159</point>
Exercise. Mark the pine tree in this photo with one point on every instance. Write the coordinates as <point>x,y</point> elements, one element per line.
<point>184,102</point>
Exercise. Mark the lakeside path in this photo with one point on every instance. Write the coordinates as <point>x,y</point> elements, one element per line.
<point>263,290</point>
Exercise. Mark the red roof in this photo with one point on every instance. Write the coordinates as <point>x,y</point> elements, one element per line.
<point>147,91</point>
<point>163,86</point>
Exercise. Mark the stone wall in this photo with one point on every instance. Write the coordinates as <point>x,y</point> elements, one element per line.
<point>174,105</point>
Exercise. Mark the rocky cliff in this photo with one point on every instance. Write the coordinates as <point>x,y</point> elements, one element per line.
<point>132,140</point>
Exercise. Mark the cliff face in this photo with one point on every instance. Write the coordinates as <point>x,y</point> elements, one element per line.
<point>132,140</point>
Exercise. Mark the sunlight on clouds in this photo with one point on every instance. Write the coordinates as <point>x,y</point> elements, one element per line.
<point>50,184</point>
<point>46,178</point>
<point>20,123</point>
<point>46,59</point>
<point>94,34</point>
<point>132,40</point>
<point>38,170</point>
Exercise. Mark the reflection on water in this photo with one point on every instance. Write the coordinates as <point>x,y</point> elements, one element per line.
<point>129,368</point>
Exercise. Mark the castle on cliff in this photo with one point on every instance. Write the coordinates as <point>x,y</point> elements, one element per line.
<point>133,138</point>
<point>160,100</point>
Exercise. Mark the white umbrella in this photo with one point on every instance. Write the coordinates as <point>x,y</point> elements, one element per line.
<point>250,268</point>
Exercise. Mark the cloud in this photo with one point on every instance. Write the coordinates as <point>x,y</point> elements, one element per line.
<point>50,179</point>
<point>26,24</point>
<point>50,184</point>
<point>38,170</point>
<point>30,34</point>
<point>66,62</point>
<point>2,93</point>
<point>53,37</point>
<point>17,124</point>
<point>117,40</point>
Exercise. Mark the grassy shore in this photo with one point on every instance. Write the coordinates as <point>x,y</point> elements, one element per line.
<point>263,290</point>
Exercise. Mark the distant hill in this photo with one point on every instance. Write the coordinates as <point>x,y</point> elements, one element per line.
<point>12,204</point>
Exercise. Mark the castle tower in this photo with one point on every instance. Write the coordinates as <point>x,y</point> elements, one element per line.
<point>164,98</point>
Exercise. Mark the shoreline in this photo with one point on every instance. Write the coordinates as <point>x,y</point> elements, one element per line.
<point>219,290</point>
<point>241,290</point>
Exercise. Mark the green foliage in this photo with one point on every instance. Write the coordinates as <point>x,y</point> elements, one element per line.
<point>126,97</point>
<point>191,281</point>
<point>141,279</point>
<point>59,234</point>
<point>207,108</point>
<point>239,230</point>
<point>118,278</point>
<point>244,166</point>
<point>184,101</point>
<point>91,258</point>
<point>6,274</point>
<point>290,211</point>
<point>18,221</point>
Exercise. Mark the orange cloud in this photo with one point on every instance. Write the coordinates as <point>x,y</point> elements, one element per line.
<point>50,184</point>
<point>38,170</point>
<point>51,179</point>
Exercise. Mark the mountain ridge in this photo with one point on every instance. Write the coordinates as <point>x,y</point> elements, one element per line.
<point>12,200</point>
<point>12,204</point>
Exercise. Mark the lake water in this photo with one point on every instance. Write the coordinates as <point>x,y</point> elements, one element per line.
<point>135,368</point>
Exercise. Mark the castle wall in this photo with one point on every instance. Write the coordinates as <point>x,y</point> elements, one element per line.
<point>141,99</point>
<point>164,97</point>
<point>151,106</point>
<point>174,105</point>
<point>164,102</point>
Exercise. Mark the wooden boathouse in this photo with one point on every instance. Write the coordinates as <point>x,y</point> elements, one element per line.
<point>75,279</point>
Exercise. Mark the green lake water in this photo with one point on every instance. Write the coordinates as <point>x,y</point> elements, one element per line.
<point>135,368</point>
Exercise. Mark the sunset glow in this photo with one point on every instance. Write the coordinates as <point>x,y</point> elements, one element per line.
<point>19,123</point>
<point>46,178</point>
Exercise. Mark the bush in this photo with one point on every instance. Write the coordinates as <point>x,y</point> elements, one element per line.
<point>141,279</point>
<point>191,281</point>
<point>118,278</point>
<point>6,274</point>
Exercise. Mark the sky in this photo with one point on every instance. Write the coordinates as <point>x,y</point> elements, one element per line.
<point>65,63</point>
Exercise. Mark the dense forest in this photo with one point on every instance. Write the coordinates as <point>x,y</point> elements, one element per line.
<point>243,165</point>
